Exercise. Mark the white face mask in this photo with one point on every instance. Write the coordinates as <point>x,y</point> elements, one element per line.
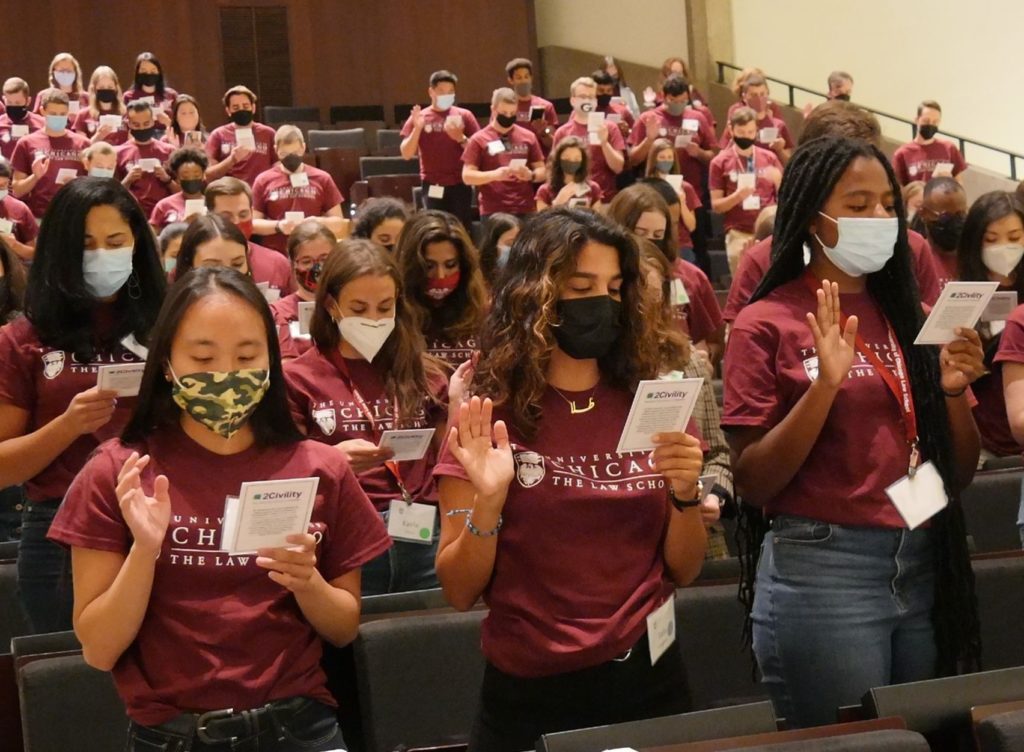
<point>1002,258</point>
<point>445,101</point>
<point>106,270</point>
<point>3,193</point>
<point>864,245</point>
<point>101,172</point>
<point>367,336</point>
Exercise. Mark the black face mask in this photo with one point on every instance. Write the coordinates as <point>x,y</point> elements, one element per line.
<point>505,121</point>
<point>588,327</point>
<point>603,100</point>
<point>143,134</point>
<point>241,117</point>
<point>928,131</point>
<point>291,162</point>
<point>569,166</point>
<point>193,187</point>
<point>743,143</point>
<point>17,111</point>
<point>842,97</point>
<point>945,231</point>
<point>107,96</point>
<point>148,79</point>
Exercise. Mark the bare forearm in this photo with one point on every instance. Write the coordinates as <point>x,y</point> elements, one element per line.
<point>219,170</point>
<point>24,457</point>
<point>965,438</point>
<point>613,157</point>
<point>410,145</point>
<point>685,544</point>
<point>465,565</point>
<point>333,612</point>
<point>473,176</point>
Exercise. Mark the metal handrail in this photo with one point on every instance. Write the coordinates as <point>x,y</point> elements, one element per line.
<point>963,140</point>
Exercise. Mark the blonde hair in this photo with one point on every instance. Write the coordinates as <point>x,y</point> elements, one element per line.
<point>503,95</point>
<point>288,134</point>
<point>60,57</point>
<point>581,81</point>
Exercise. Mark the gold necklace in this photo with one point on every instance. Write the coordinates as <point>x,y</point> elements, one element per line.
<point>573,409</point>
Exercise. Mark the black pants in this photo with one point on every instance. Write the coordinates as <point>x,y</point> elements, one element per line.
<point>44,571</point>
<point>515,712</point>
<point>457,200</point>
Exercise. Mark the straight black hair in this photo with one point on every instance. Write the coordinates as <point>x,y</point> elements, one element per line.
<point>989,208</point>
<point>809,179</point>
<point>271,422</point>
<point>57,301</point>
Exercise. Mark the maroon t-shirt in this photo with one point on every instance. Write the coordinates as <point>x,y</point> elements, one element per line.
<point>271,267</point>
<point>168,210</point>
<point>26,229</point>
<point>165,102</point>
<point>148,189</point>
<point>990,412</point>
<point>862,449</point>
<point>286,313</point>
<point>83,100</point>
<point>768,121</point>
<point>755,262</point>
<point>512,196</point>
<point>86,124</point>
<point>947,265</point>
<point>42,381</point>
<point>592,196</point>
<point>524,107</point>
<point>691,122</point>
<point>323,404</point>
<point>725,170</point>
<point>64,152</point>
<point>916,161</point>
<point>440,155</point>
<point>579,563</point>
<point>773,108</point>
<point>701,316</point>
<point>273,194</point>
<point>9,138</point>
<point>600,172</point>
<point>692,202</point>
<point>218,633</point>
<point>222,141</point>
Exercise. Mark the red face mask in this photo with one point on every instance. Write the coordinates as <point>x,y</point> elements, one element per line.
<point>439,289</point>
<point>246,228</point>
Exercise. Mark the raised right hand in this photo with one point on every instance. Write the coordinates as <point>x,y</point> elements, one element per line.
<point>147,516</point>
<point>488,462</point>
<point>835,346</point>
<point>90,410</point>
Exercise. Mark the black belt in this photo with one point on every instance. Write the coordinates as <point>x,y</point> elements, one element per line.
<point>225,726</point>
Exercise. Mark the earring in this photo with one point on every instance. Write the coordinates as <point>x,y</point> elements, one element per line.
<point>134,288</point>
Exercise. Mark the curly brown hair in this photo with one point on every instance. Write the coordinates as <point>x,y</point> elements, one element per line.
<point>462,312</point>
<point>674,345</point>
<point>517,338</point>
<point>406,368</point>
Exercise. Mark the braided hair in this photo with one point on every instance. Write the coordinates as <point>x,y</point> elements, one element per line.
<point>810,177</point>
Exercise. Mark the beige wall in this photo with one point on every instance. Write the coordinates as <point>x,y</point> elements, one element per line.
<point>642,31</point>
<point>899,52</point>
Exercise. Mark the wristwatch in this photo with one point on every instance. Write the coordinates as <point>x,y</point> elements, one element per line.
<point>681,504</point>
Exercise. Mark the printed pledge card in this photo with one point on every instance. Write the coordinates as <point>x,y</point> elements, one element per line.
<point>266,512</point>
<point>960,305</point>
<point>658,407</point>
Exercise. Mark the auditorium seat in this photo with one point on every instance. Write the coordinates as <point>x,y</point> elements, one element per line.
<point>275,116</point>
<point>738,720</point>
<point>342,165</point>
<point>941,708</point>
<point>1001,732</point>
<point>67,705</point>
<point>999,583</point>
<point>13,621</point>
<point>387,166</point>
<point>396,186</point>
<point>394,603</point>
<point>869,741</point>
<point>351,138</point>
<point>306,126</point>
<point>418,679</point>
<point>30,645</point>
<point>389,143</point>
<point>990,507</point>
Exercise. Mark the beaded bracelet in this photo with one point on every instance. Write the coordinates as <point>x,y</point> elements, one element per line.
<point>473,529</point>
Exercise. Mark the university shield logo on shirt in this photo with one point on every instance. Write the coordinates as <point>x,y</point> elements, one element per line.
<point>811,368</point>
<point>529,468</point>
<point>53,364</point>
<point>326,420</point>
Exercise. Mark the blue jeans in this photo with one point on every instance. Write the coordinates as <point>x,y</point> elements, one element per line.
<point>840,610</point>
<point>403,567</point>
<point>44,571</point>
<point>12,505</point>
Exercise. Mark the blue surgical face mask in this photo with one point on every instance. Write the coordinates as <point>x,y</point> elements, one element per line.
<point>170,264</point>
<point>865,244</point>
<point>56,123</point>
<point>101,172</point>
<point>445,101</point>
<point>503,251</point>
<point>105,271</point>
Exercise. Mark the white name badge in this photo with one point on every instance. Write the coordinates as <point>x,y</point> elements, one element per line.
<point>111,121</point>
<point>6,227</point>
<point>661,628</point>
<point>752,202</point>
<point>683,140</point>
<point>679,294</point>
<point>435,191</point>
<point>149,164</point>
<point>1000,307</point>
<point>495,147</point>
<point>65,175</point>
<point>919,498</point>
<point>767,135</point>
<point>294,216</point>
<point>17,131</point>
<point>410,444</point>
<point>413,523</point>
<point>299,179</point>
<point>195,206</point>
<point>123,379</point>
<point>691,124</point>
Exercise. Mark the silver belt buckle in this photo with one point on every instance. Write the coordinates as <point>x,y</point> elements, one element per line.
<point>206,718</point>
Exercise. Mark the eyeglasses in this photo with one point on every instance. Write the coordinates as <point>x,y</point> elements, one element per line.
<point>305,264</point>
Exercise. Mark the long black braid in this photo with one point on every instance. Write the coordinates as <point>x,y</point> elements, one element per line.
<point>810,177</point>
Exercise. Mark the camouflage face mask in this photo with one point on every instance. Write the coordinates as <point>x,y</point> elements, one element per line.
<point>221,401</point>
